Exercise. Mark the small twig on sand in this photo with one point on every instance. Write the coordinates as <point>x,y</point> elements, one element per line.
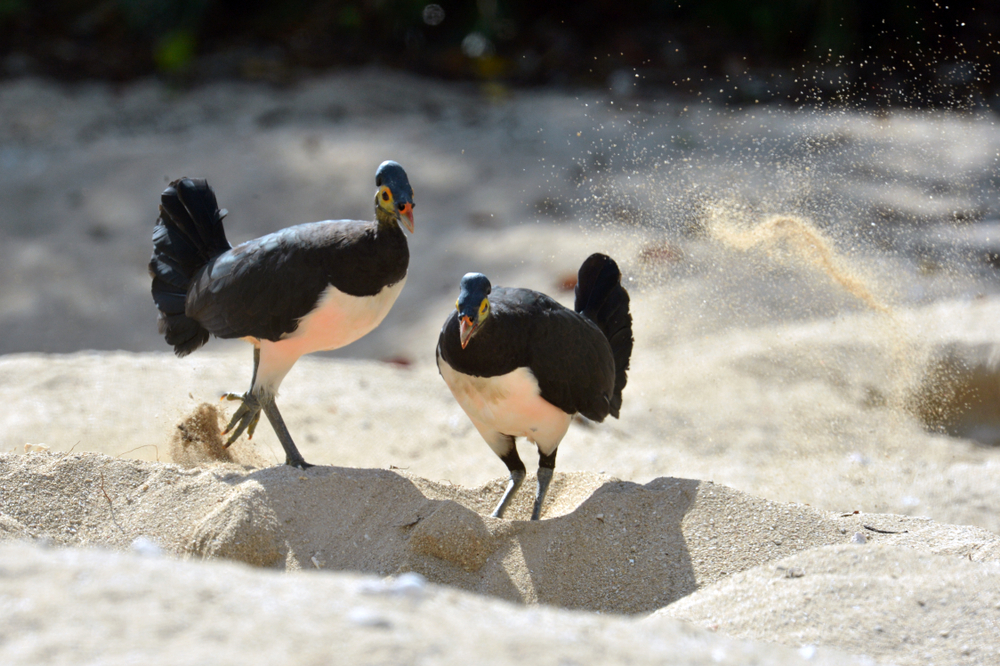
<point>119,455</point>
<point>110,505</point>
<point>875,529</point>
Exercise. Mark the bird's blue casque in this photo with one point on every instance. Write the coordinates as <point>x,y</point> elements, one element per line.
<point>391,175</point>
<point>472,290</point>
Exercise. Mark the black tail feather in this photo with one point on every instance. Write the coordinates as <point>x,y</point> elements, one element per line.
<point>188,234</point>
<point>601,298</point>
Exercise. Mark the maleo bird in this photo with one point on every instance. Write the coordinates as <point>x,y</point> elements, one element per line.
<point>303,289</point>
<point>521,365</point>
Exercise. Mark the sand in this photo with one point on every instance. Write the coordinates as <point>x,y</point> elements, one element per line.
<point>805,466</point>
<point>155,610</point>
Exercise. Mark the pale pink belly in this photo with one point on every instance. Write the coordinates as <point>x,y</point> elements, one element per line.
<point>508,405</point>
<point>338,320</point>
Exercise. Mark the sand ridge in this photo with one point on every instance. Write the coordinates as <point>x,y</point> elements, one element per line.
<point>929,609</point>
<point>628,548</point>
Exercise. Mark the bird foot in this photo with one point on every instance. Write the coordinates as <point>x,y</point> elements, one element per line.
<point>301,464</point>
<point>246,417</point>
<point>248,414</point>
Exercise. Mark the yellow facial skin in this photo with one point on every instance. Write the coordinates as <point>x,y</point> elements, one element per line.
<point>387,204</point>
<point>385,200</point>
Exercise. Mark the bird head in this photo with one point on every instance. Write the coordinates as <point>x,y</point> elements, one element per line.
<point>473,305</point>
<point>394,198</point>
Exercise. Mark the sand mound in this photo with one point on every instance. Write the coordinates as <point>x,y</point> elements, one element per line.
<point>626,548</point>
<point>154,610</point>
<point>898,588</point>
<point>901,605</point>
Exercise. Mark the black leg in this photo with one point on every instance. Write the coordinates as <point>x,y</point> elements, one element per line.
<point>248,414</point>
<point>517,472</point>
<point>256,364</point>
<point>292,455</point>
<point>546,466</point>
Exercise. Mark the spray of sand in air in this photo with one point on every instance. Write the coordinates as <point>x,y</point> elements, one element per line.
<point>804,243</point>
<point>790,238</point>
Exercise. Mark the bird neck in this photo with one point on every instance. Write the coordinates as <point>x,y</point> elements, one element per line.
<point>385,219</point>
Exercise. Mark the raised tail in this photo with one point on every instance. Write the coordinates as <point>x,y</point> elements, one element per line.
<point>188,234</point>
<point>601,298</point>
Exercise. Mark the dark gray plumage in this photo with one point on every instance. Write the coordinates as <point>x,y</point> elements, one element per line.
<point>521,364</point>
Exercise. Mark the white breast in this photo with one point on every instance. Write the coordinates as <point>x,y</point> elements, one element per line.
<point>338,320</point>
<point>508,405</point>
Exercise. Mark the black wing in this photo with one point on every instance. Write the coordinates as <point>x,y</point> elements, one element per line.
<point>569,356</point>
<point>573,363</point>
<point>262,288</point>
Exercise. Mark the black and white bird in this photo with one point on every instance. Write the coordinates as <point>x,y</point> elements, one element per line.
<point>521,365</point>
<point>303,289</point>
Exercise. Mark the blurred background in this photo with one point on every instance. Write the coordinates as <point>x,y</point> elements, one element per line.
<point>533,133</point>
<point>875,53</point>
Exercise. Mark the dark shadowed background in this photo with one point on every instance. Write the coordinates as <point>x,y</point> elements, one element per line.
<point>876,53</point>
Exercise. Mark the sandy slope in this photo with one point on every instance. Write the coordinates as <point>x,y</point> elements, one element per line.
<point>627,548</point>
<point>903,605</point>
<point>154,610</point>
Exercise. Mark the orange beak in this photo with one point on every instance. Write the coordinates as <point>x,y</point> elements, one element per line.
<point>407,213</point>
<point>465,330</point>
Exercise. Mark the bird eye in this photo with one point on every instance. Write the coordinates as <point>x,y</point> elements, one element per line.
<point>385,195</point>
<point>484,306</point>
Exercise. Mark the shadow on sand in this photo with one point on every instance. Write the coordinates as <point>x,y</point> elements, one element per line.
<point>626,540</point>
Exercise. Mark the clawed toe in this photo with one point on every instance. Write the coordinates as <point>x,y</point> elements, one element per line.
<point>248,414</point>
<point>245,418</point>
